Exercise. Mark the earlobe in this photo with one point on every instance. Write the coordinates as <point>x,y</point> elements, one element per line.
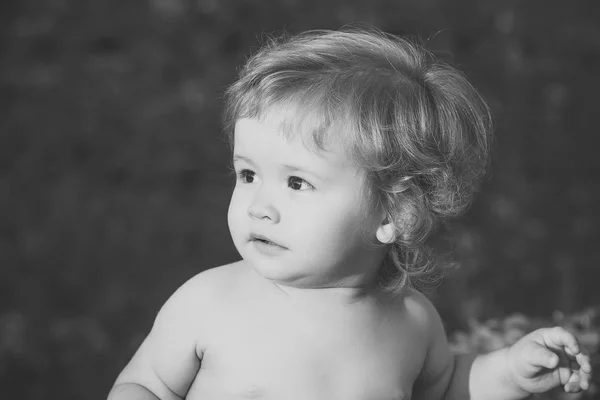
<point>386,233</point>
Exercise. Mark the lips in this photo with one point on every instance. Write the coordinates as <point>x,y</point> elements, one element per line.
<point>264,239</point>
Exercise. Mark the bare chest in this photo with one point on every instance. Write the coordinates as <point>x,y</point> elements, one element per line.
<point>273,356</point>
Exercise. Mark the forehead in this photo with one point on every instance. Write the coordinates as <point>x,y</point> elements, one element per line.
<point>282,132</point>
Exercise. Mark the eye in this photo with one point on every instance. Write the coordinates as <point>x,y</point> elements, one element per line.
<point>246,176</point>
<point>296,183</point>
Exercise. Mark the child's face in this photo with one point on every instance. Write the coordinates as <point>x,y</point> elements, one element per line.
<point>298,217</point>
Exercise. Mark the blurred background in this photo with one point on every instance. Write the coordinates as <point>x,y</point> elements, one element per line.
<point>114,180</point>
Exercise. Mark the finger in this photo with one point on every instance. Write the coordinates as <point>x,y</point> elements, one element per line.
<point>540,356</point>
<point>581,366</point>
<point>577,382</point>
<point>584,382</point>
<point>578,377</point>
<point>585,370</point>
<point>584,363</point>
<point>559,337</point>
<point>573,385</point>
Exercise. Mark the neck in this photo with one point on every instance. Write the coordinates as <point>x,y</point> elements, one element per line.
<point>342,295</point>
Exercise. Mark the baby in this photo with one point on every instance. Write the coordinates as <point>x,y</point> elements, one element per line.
<point>349,147</point>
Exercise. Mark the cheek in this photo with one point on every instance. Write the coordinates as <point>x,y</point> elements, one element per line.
<point>235,212</point>
<point>338,221</point>
<point>355,224</point>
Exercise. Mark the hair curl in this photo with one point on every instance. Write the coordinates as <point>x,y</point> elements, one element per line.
<point>416,125</point>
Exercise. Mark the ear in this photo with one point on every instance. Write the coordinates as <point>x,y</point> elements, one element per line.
<point>386,232</point>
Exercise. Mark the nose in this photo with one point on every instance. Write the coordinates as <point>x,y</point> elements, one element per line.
<point>263,207</point>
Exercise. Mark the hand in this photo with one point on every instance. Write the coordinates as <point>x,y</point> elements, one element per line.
<point>548,358</point>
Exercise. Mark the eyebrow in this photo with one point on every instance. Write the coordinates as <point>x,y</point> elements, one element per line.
<point>237,157</point>
<point>298,168</point>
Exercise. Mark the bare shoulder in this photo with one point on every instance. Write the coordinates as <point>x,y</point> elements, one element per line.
<point>212,281</point>
<point>194,301</point>
<point>437,366</point>
<point>421,312</point>
<point>168,359</point>
<point>209,284</point>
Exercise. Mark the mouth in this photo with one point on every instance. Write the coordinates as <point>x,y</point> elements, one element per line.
<point>264,240</point>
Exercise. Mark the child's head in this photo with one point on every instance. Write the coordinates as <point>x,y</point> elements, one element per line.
<point>415,126</point>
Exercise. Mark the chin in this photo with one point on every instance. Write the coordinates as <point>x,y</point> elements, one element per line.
<point>275,271</point>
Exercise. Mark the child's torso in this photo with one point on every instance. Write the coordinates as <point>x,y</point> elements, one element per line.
<point>259,349</point>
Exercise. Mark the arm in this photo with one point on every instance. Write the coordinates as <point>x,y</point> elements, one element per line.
<point>465,376</point>
<point>440,367</point>
<point>168,360</point>
<point>539,362</point>
<point>131,391</point>
<point>529,366</point>
<point>450,376</point>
